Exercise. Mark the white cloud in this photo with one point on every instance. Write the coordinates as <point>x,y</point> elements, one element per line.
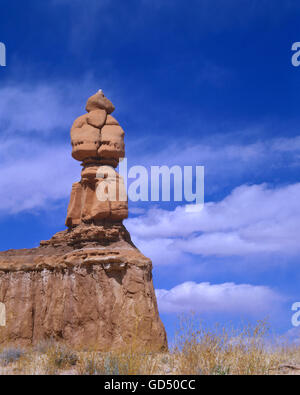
<point>35,121</point>
<point>227,164</point>
<point>220,157</point>
<point>213,298</point>
<point>37,178</point>
<point>137,210</point>
<point>251,220</point>
<point>36,167</point>
<point>42,108</point>
<point>162,251</point>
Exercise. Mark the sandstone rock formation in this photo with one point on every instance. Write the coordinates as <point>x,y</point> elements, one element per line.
<point>88,286</point>
<point>98,142</point>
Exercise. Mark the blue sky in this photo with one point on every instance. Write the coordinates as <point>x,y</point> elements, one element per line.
<point>200,83</point>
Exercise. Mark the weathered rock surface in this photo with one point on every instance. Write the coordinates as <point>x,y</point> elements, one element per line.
<point>97,134</point>
<point>98,141</point>
<point>88,287</point>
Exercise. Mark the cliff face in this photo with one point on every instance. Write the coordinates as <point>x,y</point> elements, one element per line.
<point>88,287</point>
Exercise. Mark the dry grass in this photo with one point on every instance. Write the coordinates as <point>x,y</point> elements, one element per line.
<point>223,351</point>
<point>198,350</point>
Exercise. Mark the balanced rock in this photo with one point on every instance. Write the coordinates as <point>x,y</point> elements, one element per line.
<point>87,286</point>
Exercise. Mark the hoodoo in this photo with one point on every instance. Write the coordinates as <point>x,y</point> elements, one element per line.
<point>87,286</point>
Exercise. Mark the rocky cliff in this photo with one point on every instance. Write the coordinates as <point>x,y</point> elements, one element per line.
<point>89,287</point>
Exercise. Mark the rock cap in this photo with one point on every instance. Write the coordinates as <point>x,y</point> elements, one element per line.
<point>99,102</point>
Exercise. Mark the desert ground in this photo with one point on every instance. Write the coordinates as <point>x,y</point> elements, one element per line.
<point>197,350</point>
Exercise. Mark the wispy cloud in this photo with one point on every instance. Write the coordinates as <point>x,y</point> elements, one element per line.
<point>87,20</point>
<point>38,178</point>
<point>230,12</point>
<point>218,298</point>
<point>37,170</point>
<point>42,108</point>
<point>251,220</point>
<point>220,155</point>
<point>35,120</point>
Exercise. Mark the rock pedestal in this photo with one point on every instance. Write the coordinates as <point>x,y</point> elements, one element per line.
<point>87,286</point>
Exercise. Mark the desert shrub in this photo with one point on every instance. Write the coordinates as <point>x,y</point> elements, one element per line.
<point>91,364</point>
<point>44,345</point>
<point>60,357</point>
<point>116,363</point>
<point>103,364</point>
<point>132,362</point>
<point>93,367</point>
<point>10,355</point>
<point>113,365</point>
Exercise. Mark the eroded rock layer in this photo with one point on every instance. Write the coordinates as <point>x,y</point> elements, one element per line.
<point>88,287</point>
